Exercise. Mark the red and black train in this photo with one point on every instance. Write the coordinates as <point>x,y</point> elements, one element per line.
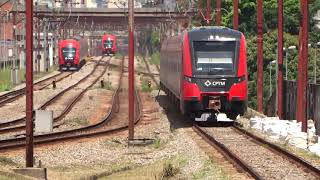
<point>204,70</point>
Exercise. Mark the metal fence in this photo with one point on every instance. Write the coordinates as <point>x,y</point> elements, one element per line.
<point>290,101</point>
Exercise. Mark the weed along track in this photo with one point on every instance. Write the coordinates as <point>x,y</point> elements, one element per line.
<point>107,125</point>
<point>255,156</point>
<point>83,85</point>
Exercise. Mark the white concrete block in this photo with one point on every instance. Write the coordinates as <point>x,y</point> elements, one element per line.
<point>43,121</point>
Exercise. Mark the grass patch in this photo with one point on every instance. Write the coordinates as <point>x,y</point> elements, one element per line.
<point>145,87</point>
<point>81,121</point>
<point>5,77</point>
<point>6,161</point>
<point>5,86</point>
<point>210,171</point>
<point>169,171</point>
<point>118,56</point>
<point>165,169</point>
<point>157,143</point>
<point>113,143</point>
<point>155,58</point>
<point>107,85</point>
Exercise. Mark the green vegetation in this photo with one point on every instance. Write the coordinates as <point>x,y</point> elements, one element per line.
<point>166,169</point>
<point>6,161</point>
<point>5,79</point>
<point>81,121</point>
<point>155,58</point>
<point>107,85</point>
<point>158,143</point>
<point>145,87</point>
<point>169,170</point>
<point>209,169</point>
<point>113,143</point>
<point>118,56</point>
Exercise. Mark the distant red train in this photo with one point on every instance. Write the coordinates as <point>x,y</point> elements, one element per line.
<point>72,53</point>
<point>204,70</point>
<point>109,44</point>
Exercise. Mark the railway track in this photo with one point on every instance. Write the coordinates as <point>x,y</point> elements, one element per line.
<point>97,129</point>
<point>4,126</point>
<point>149,73</point>
<point>13,95</point>
<point>255,156</point>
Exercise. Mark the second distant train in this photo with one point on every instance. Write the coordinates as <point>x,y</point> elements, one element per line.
<point>109,44</point>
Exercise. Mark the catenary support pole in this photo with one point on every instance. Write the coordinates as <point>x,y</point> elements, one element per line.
<point>280,60</point>
<point>235,14</point>
<point>29,83</point>
<point>218,18</point>
<point>208,12</point>
<point>38,44</point>
<point>260,55</point>
<point>14,57</point>
<point>131,69</point>
<point>303,68</point>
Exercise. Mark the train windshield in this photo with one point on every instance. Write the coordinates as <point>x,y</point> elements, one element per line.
<point>214,57</point>
<point>108,44</point>
<point>69,52</point>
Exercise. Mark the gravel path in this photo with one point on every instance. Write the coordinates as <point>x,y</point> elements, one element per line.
<point>267,163</point>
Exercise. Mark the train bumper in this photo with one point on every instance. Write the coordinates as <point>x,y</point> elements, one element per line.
<point>72,67</point>
<point>194,100</point>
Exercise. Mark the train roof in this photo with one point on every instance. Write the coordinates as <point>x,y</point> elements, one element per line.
<point>214,33</point>
<point>64,42</point>
<point>108,36</point>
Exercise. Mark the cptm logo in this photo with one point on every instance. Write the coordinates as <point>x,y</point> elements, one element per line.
<point>214,83</point>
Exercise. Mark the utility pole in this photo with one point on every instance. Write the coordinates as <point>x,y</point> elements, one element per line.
<point>218,19</point>
<point>302,81</point>
<point>131,69</point>
<point>14,56</point>
<point>45,43</point>
<point>29,83</point>
<point>260,55</point>
<point>208,12</point>
<point>280,60</point>
<point>235,14</point>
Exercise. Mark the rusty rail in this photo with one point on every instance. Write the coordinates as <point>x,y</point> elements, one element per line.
<point>65,110</point>
<point>226,152</point>
<point>47,103</point>
<point>13,95</point>
<point>299,161</point>
<point>83,132</point>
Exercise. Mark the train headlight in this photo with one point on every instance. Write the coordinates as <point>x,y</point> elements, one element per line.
<point>241,78</point>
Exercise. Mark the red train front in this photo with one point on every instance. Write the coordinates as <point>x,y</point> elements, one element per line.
<point>109,44</point>
<point>72,53</point>
<point>205,71</point>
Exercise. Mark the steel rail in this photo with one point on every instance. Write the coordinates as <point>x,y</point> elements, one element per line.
<point>279,150</point>
<point>50,101</point>
<point>13,95</point>
<point>65,111</point>
<point>78,133</point>
<point>226,152</point>
<point>148,69</point>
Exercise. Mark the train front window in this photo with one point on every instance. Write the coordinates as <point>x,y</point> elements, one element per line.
<point>108,44</point>
<point>214,57</point>
<point>69,52</point>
